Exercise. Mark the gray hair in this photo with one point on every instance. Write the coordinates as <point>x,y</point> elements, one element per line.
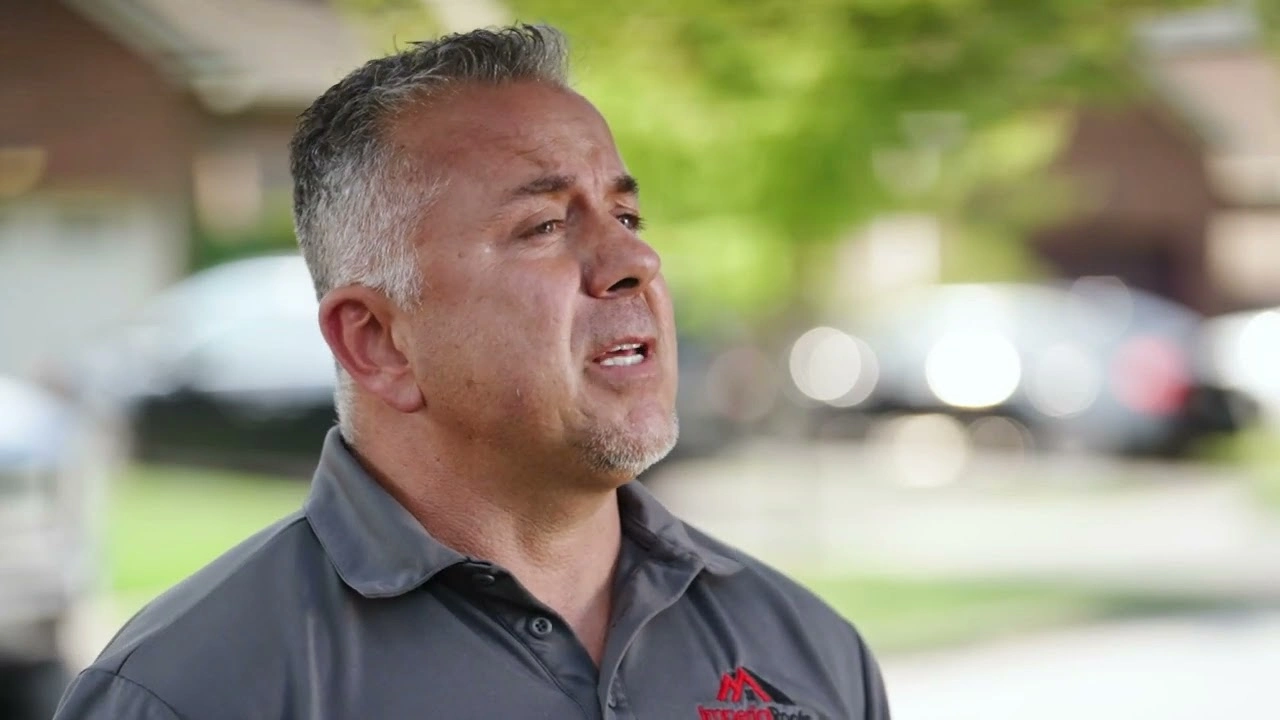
<point>355,200</point>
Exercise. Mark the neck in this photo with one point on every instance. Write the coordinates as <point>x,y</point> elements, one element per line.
<point>560,542</point>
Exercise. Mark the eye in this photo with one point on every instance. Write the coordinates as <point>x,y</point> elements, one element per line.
<point>631,221</point>
<point>547,228</point>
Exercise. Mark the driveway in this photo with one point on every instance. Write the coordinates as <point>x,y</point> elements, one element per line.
<point>1211,666</point>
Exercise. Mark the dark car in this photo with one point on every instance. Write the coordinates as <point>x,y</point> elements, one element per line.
<point>1092,365</point>
<point>228,369</point>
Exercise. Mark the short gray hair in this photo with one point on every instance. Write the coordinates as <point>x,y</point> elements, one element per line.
<point>355,200</point>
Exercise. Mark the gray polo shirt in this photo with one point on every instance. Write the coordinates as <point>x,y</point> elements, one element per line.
<point>349,609</point>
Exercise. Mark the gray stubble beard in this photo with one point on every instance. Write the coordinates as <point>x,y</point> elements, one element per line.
<point>616,451</point>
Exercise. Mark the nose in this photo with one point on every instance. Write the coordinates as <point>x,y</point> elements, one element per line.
<point>618,262</point>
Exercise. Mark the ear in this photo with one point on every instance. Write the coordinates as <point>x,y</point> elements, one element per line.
<point>357,324</point>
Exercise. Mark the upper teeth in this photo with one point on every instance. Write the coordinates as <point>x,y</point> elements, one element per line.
<point>628,346</point>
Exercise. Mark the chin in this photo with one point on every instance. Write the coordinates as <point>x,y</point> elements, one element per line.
<point>622,453</point>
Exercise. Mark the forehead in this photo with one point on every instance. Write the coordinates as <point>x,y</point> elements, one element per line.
<point>492,133</point>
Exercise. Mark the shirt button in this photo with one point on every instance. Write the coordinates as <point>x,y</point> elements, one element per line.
<point>540,626</point>
<point>483,579</point>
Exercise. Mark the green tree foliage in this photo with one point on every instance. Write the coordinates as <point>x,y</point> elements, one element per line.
<point>764,130</point>
<point>390,24</point>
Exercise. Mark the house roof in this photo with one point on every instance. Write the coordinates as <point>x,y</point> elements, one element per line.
<point>237,55</point>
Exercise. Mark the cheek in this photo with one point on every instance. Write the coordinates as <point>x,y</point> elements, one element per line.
<point>532,320</point>
<point>660,303</point>
<point>534,304</point>
<point>504,332</point>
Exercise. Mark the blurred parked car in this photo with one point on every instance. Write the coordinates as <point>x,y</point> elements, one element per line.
<point>1094,365</point>
<point>229,369</point>
<point>1245,347</point>
<point>48,541</point>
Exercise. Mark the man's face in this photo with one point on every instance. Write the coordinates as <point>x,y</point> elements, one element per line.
<point>545,328</point>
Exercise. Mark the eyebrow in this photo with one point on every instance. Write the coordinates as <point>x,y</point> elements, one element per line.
<point>626,185</point>
<point>552,184</point>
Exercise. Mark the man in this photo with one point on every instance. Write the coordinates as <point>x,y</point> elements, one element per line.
<point>473,545</point>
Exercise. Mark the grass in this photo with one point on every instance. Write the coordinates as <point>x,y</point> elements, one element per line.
<point>902,614</point>
<point>1258,452</point>
<point>165,523</point>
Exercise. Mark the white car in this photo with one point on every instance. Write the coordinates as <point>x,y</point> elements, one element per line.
<point>1245,347</point>
<point>50,489</point>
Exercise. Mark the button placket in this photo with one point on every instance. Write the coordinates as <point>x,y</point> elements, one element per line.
<point>616,705</point>
<point>561,655</point>
<point>543,634</point>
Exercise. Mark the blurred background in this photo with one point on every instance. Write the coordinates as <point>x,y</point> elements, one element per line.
<point>979,302</point>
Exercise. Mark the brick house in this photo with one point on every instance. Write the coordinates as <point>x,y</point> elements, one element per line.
<point>128,125</point>
<point>1182,190</point>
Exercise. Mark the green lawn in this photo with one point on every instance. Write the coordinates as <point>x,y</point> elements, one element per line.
<point>165,523</point>
<point>1258,452</point>
<point>898,614</point>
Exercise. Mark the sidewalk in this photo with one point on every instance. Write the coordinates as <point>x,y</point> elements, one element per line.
<point>1212,666</point>
<point>832,508</point>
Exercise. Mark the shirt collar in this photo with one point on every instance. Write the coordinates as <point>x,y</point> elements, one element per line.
<point>381,550</point>
<point>377,547</point>
<point>648,522</point>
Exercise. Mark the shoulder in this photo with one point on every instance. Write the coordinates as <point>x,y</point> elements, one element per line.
<point>238,578</point>
<point>769,582</point>
<point>762,594</point>
<point>788,623</point>
<point>229,612</point>
<point>97,694</point>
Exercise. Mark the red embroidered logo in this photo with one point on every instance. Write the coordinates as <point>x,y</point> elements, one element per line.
<point>745,696</point>
<point>733,683</point>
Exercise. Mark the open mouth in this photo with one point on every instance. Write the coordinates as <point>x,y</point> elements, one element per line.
<point>624,354</point>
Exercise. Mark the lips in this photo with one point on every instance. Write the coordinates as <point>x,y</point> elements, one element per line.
<point>624,353</point>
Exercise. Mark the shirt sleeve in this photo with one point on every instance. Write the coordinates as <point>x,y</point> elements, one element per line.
<point>99,694</point>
